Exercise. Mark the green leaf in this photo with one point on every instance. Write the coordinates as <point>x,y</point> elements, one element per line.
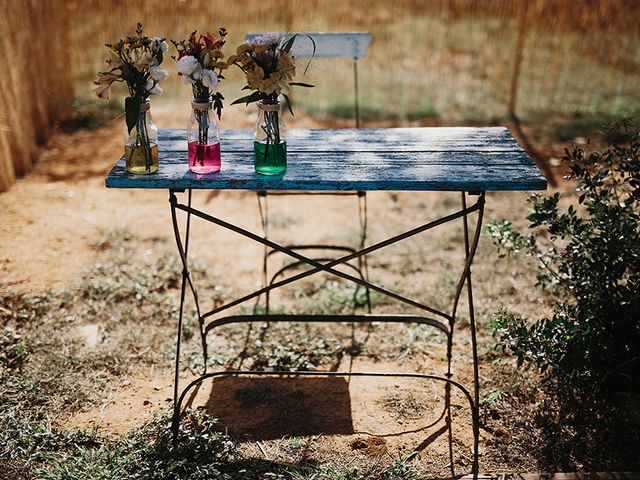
<point>254,97</point>
<point>286,97</point>
<point>132,111</point>
<point>313,54</point>
<point>126,74</point>
<point>289,43</point>
<point>217,104</point>
<point>301,84</point>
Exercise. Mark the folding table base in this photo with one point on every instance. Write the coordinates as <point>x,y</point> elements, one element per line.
<point>444,321</point>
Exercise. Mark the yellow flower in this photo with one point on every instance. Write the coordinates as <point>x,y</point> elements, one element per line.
<point>255,77</point>
<point>286,66</point>
<point>269,86</point>
<point>244,48</point>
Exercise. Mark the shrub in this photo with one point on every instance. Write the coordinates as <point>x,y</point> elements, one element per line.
<point>589,258</point>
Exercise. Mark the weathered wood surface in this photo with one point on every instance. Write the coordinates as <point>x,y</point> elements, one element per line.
<point>455,159</point>
<point>328,44</point>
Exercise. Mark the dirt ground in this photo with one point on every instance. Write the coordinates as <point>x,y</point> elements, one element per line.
<point>50,220</point>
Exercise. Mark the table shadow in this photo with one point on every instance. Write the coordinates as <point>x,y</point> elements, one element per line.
<point>269,408</point>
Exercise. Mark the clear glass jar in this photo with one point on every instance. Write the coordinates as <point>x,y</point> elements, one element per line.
<point>141,143</point>
<point>269,145</point>
<point>203,137</point>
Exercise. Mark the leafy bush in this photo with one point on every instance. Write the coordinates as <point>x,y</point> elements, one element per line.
<point>589,257</point>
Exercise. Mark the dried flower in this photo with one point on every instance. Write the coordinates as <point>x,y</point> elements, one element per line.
<point>135,61</point>
<point>269,67</point>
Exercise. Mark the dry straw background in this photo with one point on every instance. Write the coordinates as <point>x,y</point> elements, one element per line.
<point>457,61</point>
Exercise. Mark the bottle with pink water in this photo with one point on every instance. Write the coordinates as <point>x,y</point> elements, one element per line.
<point>203,137</point>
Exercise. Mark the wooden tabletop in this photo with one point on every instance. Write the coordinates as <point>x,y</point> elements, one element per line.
<point>419,159</point>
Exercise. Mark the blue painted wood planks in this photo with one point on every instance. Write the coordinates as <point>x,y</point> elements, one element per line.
<point>418,159</point>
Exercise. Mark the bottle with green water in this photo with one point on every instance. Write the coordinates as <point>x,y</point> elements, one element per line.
<point>270,146</point>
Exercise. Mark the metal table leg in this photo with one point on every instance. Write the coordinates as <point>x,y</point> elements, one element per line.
<point>445,321</point>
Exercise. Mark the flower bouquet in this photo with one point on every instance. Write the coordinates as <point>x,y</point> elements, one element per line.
<point>200,63</point>
<point>270,67</point>
<point>136,61</point>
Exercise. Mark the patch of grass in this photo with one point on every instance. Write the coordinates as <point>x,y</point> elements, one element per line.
<point>423,113</point>
<point>342,293</point>
<point>90,114</point>
<point>399,469</point>
<point>202,453</point>
<point>148,453</point>
<point>491,397</point>
<point>405,406</point>
<point>294,347</point>
<point>13,350</point>
<point>398,342</point>
<point>113,239</point>
<point>19,310</point>
<point>346,111</point>
<point>590,127</point>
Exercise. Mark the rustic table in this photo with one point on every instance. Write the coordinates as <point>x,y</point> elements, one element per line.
<point>468,160</point>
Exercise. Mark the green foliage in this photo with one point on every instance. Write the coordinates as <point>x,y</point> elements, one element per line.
<point>404,406</point>
<point>589,258</point>
<point>399,469</point>
<point>345,111</point>
<point>201,453</point>
<point>90,114</point>
<point>13,351</point>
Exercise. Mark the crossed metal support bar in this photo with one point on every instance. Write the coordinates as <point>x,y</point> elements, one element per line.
<point>445,321</point>
<point>361,268</point>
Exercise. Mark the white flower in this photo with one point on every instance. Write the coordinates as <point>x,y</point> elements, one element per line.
<point>158,73</point>
<point>187,79</point>
<point>197,73</point>
<point>269,39</point>
<point>159,43</point>
<point>187,65</point>
<point>209,79</point>
<point>153,88</point>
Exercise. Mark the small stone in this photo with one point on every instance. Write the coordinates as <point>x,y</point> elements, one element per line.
<point>146,402</point>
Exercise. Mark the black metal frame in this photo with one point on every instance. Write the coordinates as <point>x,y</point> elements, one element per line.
<point>445,323</point>
<point>361,268</point>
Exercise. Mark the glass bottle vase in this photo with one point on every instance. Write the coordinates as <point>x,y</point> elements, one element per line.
<point>269,145</point>
<point>141,143</point>
<point>203,137</point>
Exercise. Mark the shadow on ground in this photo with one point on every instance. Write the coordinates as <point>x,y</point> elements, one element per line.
<point>271,408</point>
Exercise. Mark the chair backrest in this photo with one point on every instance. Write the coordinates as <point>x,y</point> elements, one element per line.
<point>328,44</point>
<point>331,45</point>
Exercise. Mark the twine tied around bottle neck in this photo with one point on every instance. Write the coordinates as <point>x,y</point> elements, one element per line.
<point>269,107</point>
<point>201,105</point>
<point>144,106</point>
